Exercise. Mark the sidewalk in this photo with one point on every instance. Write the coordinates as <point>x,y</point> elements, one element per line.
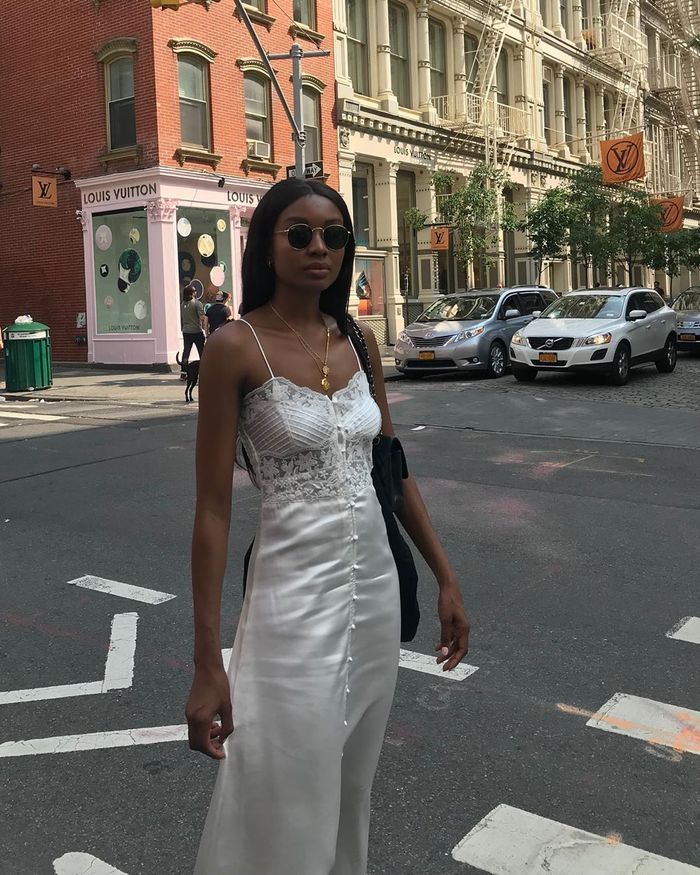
<point>115,386</point>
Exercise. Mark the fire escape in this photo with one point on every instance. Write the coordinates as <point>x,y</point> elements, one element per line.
<point>682,92</point>
<point>477,112</point>
<point>618,41</point>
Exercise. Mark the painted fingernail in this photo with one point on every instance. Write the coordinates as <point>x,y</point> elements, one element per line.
<point>445,651</point>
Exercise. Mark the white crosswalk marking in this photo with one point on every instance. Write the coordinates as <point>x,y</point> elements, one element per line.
<point>38,417</point>
<point>687,630</point>
<point>654,722</point>
<point>83,864</point>
<point>124,590</point>
<point>94,741</point>
<point>509,841</point>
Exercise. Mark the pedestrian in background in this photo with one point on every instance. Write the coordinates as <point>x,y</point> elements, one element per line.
<point>659,289</point>
<point>194,323</point>
<point>305,701</point>
<point>219,312</point>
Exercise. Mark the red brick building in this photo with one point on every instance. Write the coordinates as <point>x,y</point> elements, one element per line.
<point>171,132</point>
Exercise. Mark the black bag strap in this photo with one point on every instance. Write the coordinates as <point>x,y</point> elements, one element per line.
<point>357,339</point>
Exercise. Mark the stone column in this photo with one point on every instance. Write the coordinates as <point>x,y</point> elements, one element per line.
<point>460,66</point>
<point>534,91</point>
<point>387,239</point>
<point>520,100</point>
<point>346,165</point>
<point>424,104</point>
<point>557,25</point>
<point>596,24</point>
<point>384,92</point>
<point>576,24</point>
<point>165,285</point>
<point>340,50</point>
<point>600,126</point>
<point>559,112</point>
<point>581,146</point>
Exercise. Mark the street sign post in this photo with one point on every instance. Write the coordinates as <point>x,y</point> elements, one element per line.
<point>311,171</point>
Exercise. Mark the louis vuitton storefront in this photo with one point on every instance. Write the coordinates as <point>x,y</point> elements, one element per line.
<point>146,235</point>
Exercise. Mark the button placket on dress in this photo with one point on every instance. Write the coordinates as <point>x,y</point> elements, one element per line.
<point>353,538</point>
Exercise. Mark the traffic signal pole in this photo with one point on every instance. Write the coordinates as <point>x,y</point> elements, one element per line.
<point>296,54</point>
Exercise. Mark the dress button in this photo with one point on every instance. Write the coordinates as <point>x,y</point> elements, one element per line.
<point>347,689</point>
<point>345,722</point>
<point>349,658</point>
<point>353,626</point>
<point>355,567</point>
<point>355,538</point>
<point>355,598</point>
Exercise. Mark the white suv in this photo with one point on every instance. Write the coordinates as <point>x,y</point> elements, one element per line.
<point>597,329</point>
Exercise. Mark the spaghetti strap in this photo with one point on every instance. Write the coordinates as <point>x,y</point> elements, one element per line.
<point>352,346</point>
<point>257,340</point>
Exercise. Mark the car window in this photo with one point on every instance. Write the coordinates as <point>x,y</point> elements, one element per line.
<point>458,307</point>
<point>689,300</point>
<point>549,297</point>
<point>574,306</point>
<point>634,303</point>
<point>651,302</point>
<point>510,303</point>
<point>531,301</point>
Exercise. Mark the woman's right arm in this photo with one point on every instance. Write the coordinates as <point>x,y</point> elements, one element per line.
<point>220,390</point>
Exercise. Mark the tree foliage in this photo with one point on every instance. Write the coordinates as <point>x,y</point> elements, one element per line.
<point>547,223</point>
<point>670,253</point>
<point>476,210</point>
<point>634,226</point>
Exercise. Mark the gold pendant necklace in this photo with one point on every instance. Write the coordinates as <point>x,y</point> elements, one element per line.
<point>321,363</point>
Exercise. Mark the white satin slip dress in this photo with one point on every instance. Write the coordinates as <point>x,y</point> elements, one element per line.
<point>316,652</point>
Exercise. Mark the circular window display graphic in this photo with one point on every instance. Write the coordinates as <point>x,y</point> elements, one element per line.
<point>221,225</point>
<point>134,235</point>
<point>109,302</point>
<point>103,237</point>
<point>186,265</point>
<point>205,244</point>
<point>140,310</point>
<point>198,287</point>
<point>210,260</point>
<point>184,228</point>
<point>217,275</point>
<point>129,269</point>
<point>104,270</point>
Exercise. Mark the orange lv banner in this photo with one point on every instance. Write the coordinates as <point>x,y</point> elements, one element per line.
<point>671,213</point>
<point>439,238</point>
<point>623,159</point>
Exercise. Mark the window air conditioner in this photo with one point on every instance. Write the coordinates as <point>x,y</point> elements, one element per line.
<point>258,149</point>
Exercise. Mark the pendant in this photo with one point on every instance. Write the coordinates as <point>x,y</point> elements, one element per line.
<point>326,370</point>
<point>325,385</point>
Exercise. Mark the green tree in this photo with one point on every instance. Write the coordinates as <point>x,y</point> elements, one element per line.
<point>547,226</point>
<point>672,252</point>
<point>476,210</point>
<point>590,200</point>
<point>634,227</point>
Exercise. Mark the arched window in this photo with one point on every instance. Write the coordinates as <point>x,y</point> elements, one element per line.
<point>121,119</point>
<point>193,84</point>
<point>398,42</point>
<point>311,108</point>
<point>358,65</point>
<point>257,109</point>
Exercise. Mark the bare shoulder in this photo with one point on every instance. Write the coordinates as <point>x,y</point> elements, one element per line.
<point>227,352</point>
<point>369,336</point>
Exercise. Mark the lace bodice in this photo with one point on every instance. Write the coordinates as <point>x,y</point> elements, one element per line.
<point>304,446</point>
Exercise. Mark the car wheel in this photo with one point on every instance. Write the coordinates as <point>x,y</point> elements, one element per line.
<point>620,372</point>
<point>497,363</point>
<point>524,375</point>
<point>666,362</point>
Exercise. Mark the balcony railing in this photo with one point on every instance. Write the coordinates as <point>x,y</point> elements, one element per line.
<point>614,38</point>
<point>664,73</point>
<point>479,112</point>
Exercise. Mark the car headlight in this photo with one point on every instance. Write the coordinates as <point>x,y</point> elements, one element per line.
<point>467,334</point>
<point>519,340</point>
<point>597,339</point>
<point>405,338</point>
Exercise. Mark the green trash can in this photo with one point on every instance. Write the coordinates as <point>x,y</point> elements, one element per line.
<point>27,356</point>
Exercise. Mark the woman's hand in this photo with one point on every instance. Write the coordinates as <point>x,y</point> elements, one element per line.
<point>210,696</point>
<point>454,627</point>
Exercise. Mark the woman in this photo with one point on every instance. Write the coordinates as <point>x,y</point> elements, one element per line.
<point>315,659</point>
<point>193,324</point>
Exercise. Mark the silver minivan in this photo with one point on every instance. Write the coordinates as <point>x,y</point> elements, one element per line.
<point>468,331</point>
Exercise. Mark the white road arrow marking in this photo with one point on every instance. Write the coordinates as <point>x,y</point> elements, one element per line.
<point>124,590</point>
<point>119,669</point>
<point>83,864</point>
<point>687,630</point>
<point>653,722</point>
<point>509,841</point>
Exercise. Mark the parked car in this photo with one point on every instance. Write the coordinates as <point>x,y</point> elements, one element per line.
<point>468,331</point>
<point>687,307</point>
<point>598,329</point>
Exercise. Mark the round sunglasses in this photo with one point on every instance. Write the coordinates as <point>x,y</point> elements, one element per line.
<point>299,236</point>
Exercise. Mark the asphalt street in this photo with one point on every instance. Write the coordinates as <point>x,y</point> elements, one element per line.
<point>571,511</point>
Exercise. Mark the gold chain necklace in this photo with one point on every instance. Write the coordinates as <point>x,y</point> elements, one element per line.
<point>321,363</point>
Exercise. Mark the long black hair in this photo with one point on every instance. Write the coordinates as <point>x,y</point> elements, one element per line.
<point>259,277</point>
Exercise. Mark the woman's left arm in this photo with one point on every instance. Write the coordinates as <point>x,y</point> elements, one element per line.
<point>454,621</point>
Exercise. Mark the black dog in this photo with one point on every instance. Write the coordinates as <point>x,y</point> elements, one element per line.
<point>192,371</point>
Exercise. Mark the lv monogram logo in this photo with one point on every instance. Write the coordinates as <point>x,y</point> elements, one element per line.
<point>44,189</point>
